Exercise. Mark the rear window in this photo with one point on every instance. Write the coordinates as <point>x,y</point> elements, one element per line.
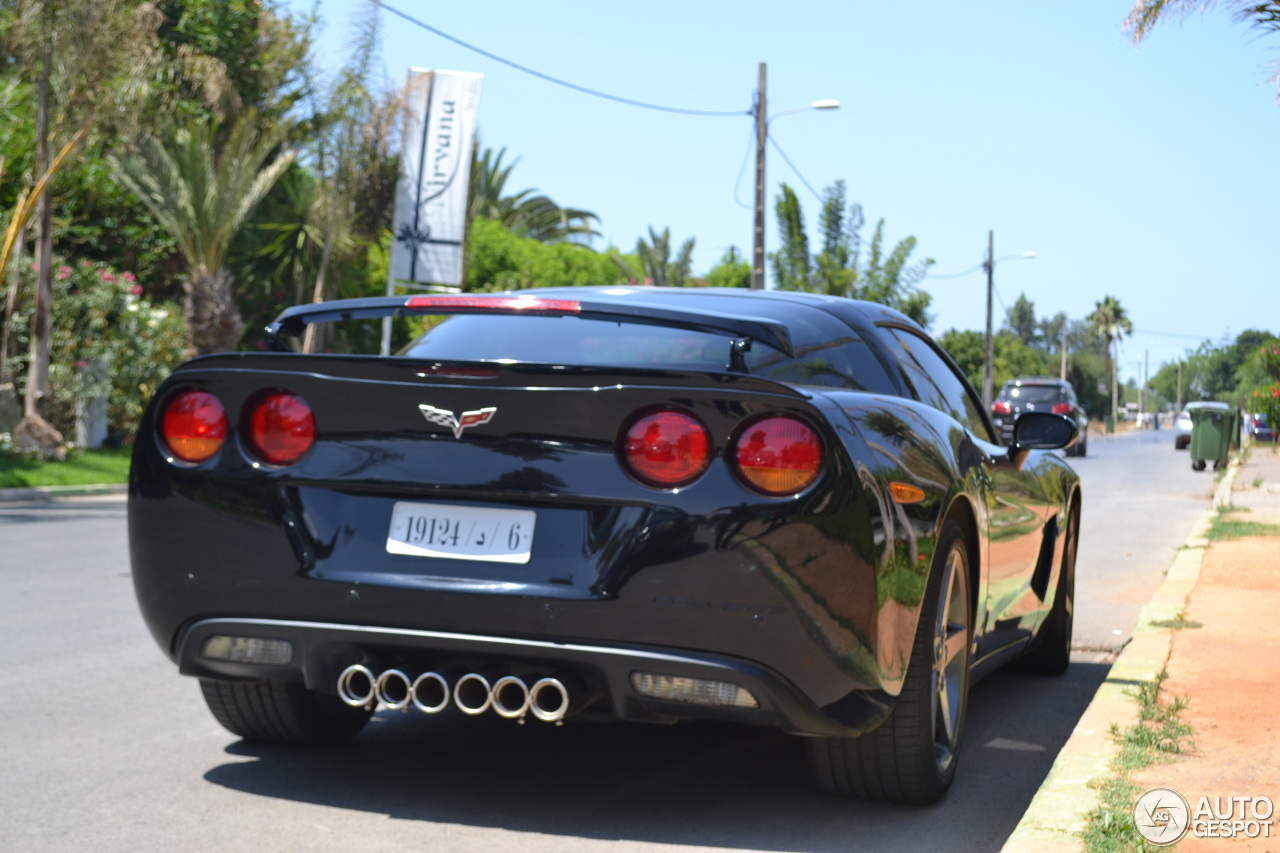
<point>827,353</point>
<point>1033,394</point>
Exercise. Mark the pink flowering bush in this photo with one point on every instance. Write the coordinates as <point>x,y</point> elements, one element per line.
<point>106,341</point>
<point>1266,401</point>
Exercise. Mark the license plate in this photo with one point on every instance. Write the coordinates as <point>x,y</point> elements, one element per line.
<point>461,532</point>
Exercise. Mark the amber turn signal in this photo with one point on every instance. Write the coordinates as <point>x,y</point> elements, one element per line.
<point>906,494</point>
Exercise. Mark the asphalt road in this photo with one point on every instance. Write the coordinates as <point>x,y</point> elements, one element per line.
<point>1141,499</point>
<point>106,748</point>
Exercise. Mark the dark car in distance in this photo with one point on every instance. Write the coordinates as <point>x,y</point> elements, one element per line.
<point>1039,394</point>
<point>647,504</point>
<point>1256,426</point>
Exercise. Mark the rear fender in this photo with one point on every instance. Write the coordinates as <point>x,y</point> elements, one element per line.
<point>906,444</point>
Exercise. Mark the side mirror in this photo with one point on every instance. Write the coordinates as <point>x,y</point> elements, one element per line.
<point>1043,431</point>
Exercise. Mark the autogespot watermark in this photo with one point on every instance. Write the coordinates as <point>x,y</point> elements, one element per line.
<point>1163,816</point>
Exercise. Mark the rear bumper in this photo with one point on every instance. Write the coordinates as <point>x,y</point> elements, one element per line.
<point>601,674</point>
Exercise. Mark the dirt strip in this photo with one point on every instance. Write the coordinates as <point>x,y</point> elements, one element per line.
<point>1230,669</point>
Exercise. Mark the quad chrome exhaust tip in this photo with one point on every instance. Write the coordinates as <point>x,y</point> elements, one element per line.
<point>394,690</point>
<point>430,693</point>
<point>510,698</point>
<point>358,686</point>
<point>472,694</point>
<point>549,700</point>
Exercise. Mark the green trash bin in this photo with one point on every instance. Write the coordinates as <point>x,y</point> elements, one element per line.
<point>1212,434</point>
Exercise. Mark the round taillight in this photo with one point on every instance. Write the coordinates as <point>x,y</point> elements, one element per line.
<point>193,426</point>
<point>280,428</point>
<point>779,455</point>
<point>667,449</point>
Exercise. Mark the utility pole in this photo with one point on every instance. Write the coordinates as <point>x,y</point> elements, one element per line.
<point>762,136</point>
<point>1063,375</point>
<point>1179,383</point>
<point>1146,378</point>
<point>988,390</point>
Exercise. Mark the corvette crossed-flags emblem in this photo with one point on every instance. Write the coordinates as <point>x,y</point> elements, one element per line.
<point>445,418</point>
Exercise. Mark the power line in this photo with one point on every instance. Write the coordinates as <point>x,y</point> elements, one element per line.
<point>746,155</point>
<point>1003,307</point>
<point>1170,335</point>
<point>555,80</point>
<point>793,168</point>
<point>969,271</point>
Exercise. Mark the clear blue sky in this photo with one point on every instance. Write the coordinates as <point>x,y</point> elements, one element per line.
<point>1148,174</point>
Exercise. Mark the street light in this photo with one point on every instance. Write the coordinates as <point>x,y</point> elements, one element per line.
<point>762,136</point>
<point>988,389</point>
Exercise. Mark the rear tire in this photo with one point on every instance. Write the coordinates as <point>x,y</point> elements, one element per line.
<point>911,757</point>
<point>1051,654</point>
<point>282,712</point>
<point>1083,448</point>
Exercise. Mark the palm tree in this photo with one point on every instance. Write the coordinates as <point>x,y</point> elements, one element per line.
<point>1147,13</point>
<point>202,198</point>
<point>534,216</point>
<point>1260,14</point>
<point>287,235</point>
<point>655,257</point>
<point>841,268</point>
<point>1110,322</point>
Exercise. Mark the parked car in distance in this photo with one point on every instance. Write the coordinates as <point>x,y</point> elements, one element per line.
<point>1258,428</point>
<point>1182,427</point>
<point>1039,394</point>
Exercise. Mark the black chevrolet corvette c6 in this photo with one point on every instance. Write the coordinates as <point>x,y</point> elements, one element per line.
<point>650,504</point>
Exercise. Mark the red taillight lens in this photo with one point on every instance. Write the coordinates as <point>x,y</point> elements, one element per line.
<point>1061,408</point>
<point>281,428</point>
<point>193,426</point>
<point>667,449</point>
<point>779,455</point>
<point>1001,407</point>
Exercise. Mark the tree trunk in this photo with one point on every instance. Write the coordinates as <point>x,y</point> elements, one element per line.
<point>1115,408</point>
<point>313,337</point>
<point>34,432</point>
<point>213,321</point>
<point>11,306</point>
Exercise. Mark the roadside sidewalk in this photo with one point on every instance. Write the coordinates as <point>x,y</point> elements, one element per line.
<point>1212,626</point>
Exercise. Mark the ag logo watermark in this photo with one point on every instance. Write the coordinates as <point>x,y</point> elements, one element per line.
<point>1163,816</point>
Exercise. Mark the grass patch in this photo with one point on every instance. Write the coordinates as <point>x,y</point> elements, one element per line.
<point>1110,828</point>
<point>1258,481</point>
<point>85,468</point>
<point>1177,623</point>
<point>1158,735</point>
<point>1226,528</point>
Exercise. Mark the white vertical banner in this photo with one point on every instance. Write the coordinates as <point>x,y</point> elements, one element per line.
<point>435,167</point>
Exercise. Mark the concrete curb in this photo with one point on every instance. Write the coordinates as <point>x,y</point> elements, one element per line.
<point>48,493</point>
<point>1055,819</point>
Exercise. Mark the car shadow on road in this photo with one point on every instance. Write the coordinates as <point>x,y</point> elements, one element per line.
<point>64,510</point>
<point>704,784</point>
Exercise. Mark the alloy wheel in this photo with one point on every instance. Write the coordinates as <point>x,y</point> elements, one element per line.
<point>950,661</point>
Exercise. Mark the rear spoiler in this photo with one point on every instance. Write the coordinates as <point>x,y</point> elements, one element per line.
<point>292,322</point>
